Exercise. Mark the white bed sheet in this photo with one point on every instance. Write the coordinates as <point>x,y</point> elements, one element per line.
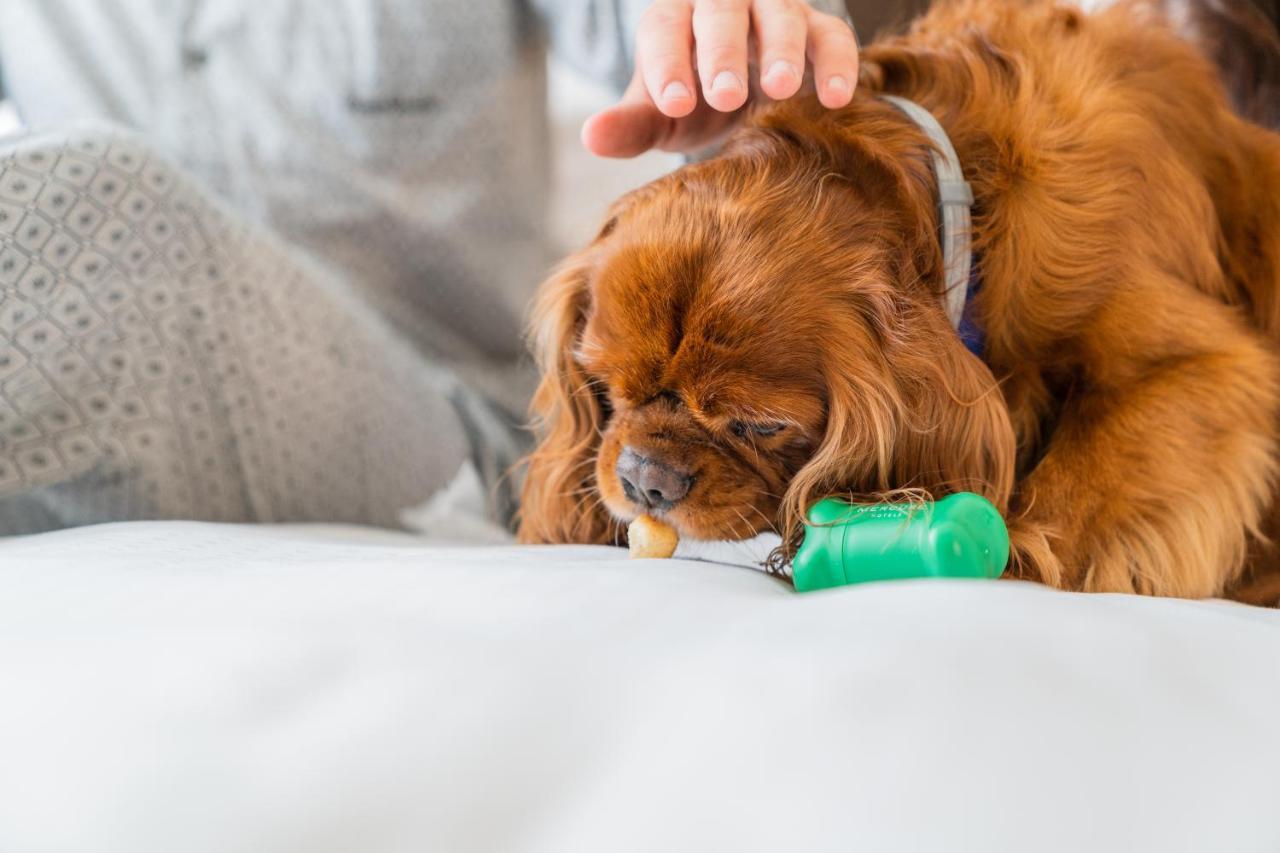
<point>187,687</point>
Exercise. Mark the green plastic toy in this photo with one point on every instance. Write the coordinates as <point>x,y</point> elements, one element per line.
<point>960,536</point>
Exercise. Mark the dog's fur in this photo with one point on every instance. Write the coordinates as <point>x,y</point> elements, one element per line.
<point>770,320</point>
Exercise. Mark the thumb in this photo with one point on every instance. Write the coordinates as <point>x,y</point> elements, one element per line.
<point>628,128</point>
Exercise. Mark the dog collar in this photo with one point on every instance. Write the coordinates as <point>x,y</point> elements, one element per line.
<point>955,224</point>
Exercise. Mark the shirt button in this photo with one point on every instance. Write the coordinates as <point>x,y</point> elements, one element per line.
<point>194,58</point>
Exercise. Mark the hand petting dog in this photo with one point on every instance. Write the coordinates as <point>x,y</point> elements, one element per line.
<point>698,62</point>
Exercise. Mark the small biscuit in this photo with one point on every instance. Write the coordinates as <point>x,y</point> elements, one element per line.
<point>651,539</point>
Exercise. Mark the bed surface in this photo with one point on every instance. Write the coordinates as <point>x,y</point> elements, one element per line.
<point>189,687</point>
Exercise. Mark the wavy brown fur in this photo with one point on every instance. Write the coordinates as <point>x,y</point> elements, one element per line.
<point>1128,225</point>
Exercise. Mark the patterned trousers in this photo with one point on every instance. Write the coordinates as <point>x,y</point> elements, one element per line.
<point>160,358</point>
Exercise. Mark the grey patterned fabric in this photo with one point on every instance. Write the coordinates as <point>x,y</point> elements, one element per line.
<point>164,359</point>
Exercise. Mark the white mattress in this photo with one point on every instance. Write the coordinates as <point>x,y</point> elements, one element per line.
<point>184,687</point>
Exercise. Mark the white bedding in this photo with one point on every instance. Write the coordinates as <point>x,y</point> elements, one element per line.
<point>184,687</point>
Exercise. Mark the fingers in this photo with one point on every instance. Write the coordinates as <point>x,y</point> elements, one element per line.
<point>634,125</point>
<point>664,54</point>
<point>720,29</point>
<point>717,32</point>
<point>833,50</point>
<point>780,29</point>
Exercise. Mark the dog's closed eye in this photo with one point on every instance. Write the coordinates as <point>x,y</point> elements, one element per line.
<point>742,429</point>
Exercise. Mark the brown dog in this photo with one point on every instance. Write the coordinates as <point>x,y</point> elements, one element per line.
<point>757,331</point>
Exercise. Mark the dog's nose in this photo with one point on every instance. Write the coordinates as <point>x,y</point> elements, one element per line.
<point>649,482</point>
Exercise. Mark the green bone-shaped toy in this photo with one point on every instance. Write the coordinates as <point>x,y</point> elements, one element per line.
<point>960,536</point>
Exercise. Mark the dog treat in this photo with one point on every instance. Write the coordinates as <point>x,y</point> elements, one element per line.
<point>651,539</point>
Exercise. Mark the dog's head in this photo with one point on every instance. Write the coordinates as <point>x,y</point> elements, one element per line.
<point>755,332</point>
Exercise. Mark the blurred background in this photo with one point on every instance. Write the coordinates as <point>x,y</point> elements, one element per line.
<point>8,119</point>
<point>585,185</point>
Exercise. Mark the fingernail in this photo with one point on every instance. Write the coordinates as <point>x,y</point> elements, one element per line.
<point>726,81</point>
<point>780,70</point>
<point>838,84</point>
<point>675,91</point>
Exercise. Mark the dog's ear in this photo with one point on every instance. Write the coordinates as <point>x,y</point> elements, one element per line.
<point>958,436</point>
<point>911,414</point>
<point>559,501</point>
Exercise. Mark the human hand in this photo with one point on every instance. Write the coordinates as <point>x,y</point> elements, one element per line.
<point>717,40</point>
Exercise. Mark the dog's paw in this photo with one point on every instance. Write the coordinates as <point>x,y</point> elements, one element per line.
<point>1031,553</point>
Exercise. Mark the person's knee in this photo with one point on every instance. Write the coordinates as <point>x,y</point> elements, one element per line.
<point>86,186</point>
<point>88,215</point>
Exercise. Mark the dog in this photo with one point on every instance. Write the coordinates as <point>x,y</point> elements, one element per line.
<point>767,327</point>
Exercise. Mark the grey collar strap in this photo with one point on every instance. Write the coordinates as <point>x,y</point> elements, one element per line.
<point>955,208</point>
